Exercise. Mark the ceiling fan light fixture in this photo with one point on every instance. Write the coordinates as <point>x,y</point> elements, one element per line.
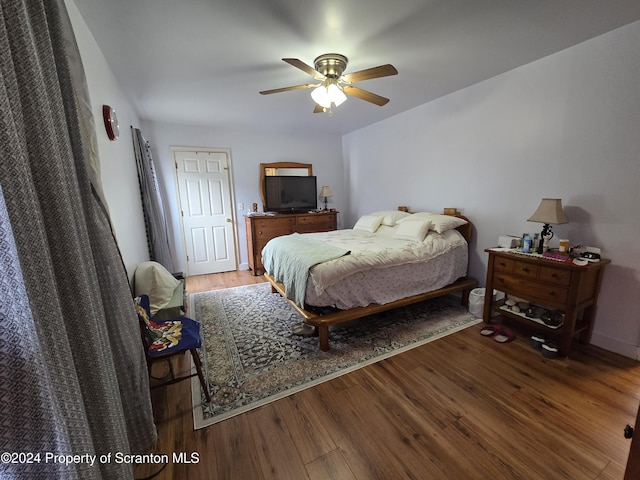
<point>328,93</point>
<point>334,87</point>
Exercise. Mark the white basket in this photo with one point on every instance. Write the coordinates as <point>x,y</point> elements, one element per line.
<point>476,301</point>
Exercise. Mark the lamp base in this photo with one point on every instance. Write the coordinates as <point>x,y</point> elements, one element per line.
<point>545,236</point>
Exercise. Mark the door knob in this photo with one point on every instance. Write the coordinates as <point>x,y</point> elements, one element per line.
<point>628,431</point>
<point>228,220</point>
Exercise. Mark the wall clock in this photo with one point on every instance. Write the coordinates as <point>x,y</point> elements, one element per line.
<point>110,122</point>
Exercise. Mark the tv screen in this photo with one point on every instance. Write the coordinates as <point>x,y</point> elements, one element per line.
<point>290,194</point>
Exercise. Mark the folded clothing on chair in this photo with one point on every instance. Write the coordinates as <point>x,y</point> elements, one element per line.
<point>163,337</point>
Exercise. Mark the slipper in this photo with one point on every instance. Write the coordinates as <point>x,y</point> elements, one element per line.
<point>549,350</point>
<point>303,329</point>
<point>537,342</point>
<point>490,330</point>
<point>504,336</point>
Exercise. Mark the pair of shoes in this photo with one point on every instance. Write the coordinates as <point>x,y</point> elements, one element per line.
<point>552,319</point>
<point>548,348</point>
<point>303,329</point>
<point>498,332</point>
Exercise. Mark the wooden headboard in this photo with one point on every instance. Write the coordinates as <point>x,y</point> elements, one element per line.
<point>466,230</point>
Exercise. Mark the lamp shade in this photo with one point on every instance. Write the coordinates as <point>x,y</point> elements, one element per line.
<point>326,192</point>
<point>549,211</point>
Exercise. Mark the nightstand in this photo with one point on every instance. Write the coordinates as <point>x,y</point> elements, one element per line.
<point>554,285</point>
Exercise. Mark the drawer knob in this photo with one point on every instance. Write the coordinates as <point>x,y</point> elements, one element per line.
<point>525,269</point>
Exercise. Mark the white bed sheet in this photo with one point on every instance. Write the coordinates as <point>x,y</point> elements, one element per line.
<point>382,269</point>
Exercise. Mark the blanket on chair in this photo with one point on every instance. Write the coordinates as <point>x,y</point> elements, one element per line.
<point>288,260</point>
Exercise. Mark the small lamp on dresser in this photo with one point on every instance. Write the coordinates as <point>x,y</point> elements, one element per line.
<point>549,212</point>
<point>325,192</point>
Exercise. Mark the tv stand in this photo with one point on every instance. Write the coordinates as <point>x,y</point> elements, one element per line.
<point>262,228</point>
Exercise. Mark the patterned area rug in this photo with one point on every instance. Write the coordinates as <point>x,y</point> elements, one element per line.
<point>252,358</point>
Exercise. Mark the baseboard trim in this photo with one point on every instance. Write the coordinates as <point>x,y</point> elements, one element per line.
<point>616,346</point>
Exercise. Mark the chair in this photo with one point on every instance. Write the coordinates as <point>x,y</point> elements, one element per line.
<point>163,339</point>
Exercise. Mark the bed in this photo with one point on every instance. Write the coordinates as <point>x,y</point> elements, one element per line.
<point>389,259</point>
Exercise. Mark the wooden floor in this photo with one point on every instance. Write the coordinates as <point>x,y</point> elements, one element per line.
<point>462,407</point>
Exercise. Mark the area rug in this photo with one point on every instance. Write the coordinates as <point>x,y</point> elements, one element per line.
<point>252,358</point>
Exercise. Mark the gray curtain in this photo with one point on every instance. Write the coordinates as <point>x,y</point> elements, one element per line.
<point>73,378</point>
<point>152,204</point>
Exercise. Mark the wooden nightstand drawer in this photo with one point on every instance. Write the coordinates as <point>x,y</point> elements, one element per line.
<point>555,275</point>
<point>526,269</point>
<point>527,288</point>
<point>511,283</point>
<point>504,265</point>
<point>548,294</point>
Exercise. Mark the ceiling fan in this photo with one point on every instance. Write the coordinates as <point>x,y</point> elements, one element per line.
<point>333,85</point>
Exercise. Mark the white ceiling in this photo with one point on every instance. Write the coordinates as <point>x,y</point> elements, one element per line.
<point>203,62</point>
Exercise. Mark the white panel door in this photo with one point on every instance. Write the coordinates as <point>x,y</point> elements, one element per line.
<point>204,188</point>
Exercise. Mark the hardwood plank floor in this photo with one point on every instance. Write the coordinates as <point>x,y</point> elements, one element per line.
<point>462,407</point>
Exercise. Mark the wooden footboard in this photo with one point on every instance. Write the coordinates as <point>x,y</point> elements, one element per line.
<point>323,321</point>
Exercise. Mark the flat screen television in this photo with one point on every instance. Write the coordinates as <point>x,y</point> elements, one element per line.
<point>290,194</point>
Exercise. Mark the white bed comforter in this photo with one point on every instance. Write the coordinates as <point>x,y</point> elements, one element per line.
<point>374,251</point>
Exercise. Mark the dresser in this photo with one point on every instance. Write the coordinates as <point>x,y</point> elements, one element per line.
<point>262,228</point>
<point>562,287</point>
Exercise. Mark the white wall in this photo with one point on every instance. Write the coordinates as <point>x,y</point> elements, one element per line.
<point>248,150</point>
<point>566,126</point>
<point>117,160</point>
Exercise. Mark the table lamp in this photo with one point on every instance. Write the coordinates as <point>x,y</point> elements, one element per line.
<point>326,193</point>
<point>550,213</point>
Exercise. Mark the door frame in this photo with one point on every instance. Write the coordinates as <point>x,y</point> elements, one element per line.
<point>173,150</point>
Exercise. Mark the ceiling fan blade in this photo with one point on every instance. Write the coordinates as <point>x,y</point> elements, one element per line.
<point>304,67</point>
<point>369,73</point>
<point>365,95</point>
<point>286,89</point>
<point>318,109</point>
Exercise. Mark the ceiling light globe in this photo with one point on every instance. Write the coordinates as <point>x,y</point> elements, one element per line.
<point>320,95</point>
<point>336,95</point>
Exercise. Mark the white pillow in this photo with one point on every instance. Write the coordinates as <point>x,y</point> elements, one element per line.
<point>421,216</point>
<point>386,230</point>
<point>390,217</point>
<point>442,223</point>
<point>415,230</point>
<point>368,223</point>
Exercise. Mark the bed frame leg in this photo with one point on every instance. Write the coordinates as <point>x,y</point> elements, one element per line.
<point>465,297</point>
<point>323,337</point>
